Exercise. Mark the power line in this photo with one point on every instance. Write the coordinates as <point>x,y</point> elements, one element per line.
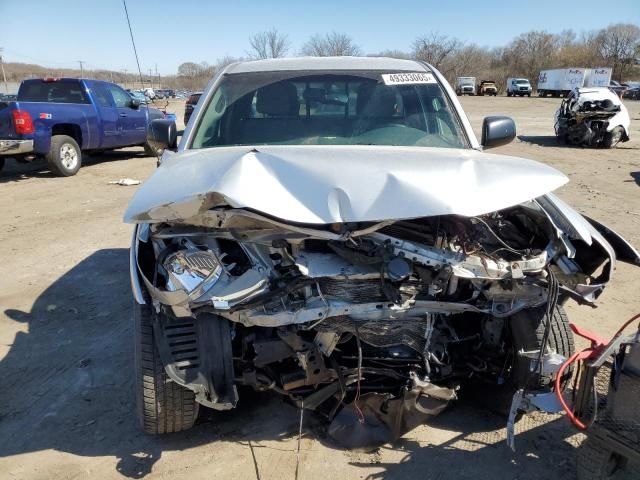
<point>126,12</point>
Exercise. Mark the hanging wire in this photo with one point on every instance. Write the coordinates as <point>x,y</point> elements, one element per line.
<point>126,12</point>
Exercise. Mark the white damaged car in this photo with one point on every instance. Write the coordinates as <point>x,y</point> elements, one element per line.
<point>331,230</point>
<point>592,117</point>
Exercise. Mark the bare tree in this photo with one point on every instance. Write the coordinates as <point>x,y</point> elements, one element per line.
<point>189,69</point>
<point>435,48</point>
<point>620,46</point>
<point>469,60</point>
<point>530,52</point>
<point>269,44</point>
<point>195,75</point>
<point>332,44</point>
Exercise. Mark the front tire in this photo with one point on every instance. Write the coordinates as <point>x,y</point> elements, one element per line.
<point>149,151</point>
<point>64,157</point>
<point>526,329</point>
<point>163,405</point>
<point>1,163</point>
<point>612,138</point>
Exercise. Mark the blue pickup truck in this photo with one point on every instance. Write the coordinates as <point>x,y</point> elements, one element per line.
<point>61,118</point>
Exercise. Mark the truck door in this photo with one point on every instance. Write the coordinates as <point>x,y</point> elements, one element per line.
<point>132,122</point>
<point>109,115</point>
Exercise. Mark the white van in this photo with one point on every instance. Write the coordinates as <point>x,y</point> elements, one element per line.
<point>518,86</point>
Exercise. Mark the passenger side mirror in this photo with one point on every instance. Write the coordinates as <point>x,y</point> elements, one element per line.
<point>497,131</point>
<point>135,103</point>
<point>162,134</point>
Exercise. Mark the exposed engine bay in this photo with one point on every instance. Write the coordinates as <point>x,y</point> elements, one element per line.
<point>592,117</point>
<point>395,312</point>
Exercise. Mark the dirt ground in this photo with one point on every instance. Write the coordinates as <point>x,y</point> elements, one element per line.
<point>66,359</point>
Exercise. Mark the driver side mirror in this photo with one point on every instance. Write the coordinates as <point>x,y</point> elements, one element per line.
<point>162,135</point>
<point>135,103</point>
<point>497,131</point>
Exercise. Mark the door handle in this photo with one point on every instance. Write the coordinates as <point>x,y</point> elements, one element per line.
<point>123,114</point>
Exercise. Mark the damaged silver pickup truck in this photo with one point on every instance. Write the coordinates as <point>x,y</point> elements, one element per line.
<point>330,230</point>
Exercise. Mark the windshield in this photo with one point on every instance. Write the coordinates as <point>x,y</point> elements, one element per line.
<point>305,108</point>
<point>522,82</point>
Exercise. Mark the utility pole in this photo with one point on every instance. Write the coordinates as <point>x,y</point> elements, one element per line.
<point>157,76</point>
<point>151,77</point>
<point>81,62</point>
<point>4,77</point>
<point>125,77</point>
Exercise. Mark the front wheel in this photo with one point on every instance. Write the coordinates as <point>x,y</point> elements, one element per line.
<point>149,151</point>
<point>524,332</point>
<point>612,138</point>
<point>163,405</point>
<point>1,163</point>
<point>64,157</point>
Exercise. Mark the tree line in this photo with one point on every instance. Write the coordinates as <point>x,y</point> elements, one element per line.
<point>616,46</point>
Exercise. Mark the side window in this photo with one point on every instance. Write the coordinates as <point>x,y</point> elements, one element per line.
<point>102,95</point>
<point>121,98</point>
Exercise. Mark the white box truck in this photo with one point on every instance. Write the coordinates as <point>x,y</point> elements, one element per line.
<point>466,85</point>
<point>597,77</point>
<point>560,81</point>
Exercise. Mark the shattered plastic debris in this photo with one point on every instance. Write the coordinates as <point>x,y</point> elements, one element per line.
<point>126,182</point>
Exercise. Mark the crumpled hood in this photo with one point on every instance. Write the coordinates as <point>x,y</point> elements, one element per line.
<point>335,184</point>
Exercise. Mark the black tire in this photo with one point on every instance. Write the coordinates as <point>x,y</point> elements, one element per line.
<point>149,151</point>
<point>508,94</point>
<point>612,138</point>
<point>597,461</point>
<point>163,405</point>
<point>526,329</point>
<point>64,157</point>
<point>1,163</point>
<point>528,95</point>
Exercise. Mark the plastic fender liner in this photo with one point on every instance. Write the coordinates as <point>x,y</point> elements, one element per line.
<point>196,353</point>
<point>625,252</point>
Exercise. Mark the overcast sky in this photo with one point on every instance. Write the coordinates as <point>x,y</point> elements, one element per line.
<point>57,33</point>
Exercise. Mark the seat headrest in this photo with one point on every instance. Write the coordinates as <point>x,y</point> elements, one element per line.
<point>278,100</point>
<point>375,100</point>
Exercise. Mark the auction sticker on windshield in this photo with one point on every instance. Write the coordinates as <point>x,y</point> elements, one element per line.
<point>407,78</point>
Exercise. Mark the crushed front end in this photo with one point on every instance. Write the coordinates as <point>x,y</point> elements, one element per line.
<point>386,320</point>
